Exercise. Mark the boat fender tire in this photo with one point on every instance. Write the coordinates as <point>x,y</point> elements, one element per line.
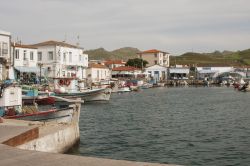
<point>61,82</point>
<point>67,82</point>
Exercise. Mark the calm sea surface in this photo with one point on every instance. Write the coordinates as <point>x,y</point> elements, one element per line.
<point>187,126</point>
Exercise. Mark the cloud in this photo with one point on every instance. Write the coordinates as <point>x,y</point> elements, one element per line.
<point>173,26</point>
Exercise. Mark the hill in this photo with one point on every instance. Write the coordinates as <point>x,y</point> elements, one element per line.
<point>217,58</point>
<point>122,53</point>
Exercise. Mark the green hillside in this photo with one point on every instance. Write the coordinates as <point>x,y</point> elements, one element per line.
<point>216,58</point>
<point>122,53</point>
<point>225,58</point>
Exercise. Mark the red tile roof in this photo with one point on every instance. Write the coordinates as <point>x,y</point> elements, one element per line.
<point>151,51</point>
<point>94,65</point>
<point>125,68</point>
<point>110,62</point>
<point>55,43</point>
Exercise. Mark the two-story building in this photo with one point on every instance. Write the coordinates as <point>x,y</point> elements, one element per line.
<point>61,59</point>
<point>5,52</point>
<point>98,72</point>
<point>24,67</point>
<point>155,57</point>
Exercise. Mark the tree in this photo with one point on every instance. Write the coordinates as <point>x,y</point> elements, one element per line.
<point>137,62</point>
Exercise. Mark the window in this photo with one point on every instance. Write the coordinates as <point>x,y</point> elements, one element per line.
<point>39,54</point>
<point>155,62</point>
<point>80,58</point>
<point>31,55</point>
<point>50,54</point>
<point>63,73</point>
<point>64,57</point>
<point>24,55</point>
<point>17,54</point>
<point>70,56</point>
<point>4,49</point>
<point>155,55</point>
<point>98,74</point>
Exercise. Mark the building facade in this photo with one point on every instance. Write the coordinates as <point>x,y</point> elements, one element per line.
<point>212,73</point>
<point>24,58</point>
<point>61,59</point>
<point>178,72</point>
<point>157,73</point>
<point>5,54</point>
<point>155,57</point>
<point>98,72</point>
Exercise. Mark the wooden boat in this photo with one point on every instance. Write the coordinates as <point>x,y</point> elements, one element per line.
<point>71,90</point>
<point>11,108</point>
<point>40,100</point>
<point>102,94</point>
<point>146,86</point>
<point>29,96</point>
<point>64,115</point>
<point>124,89</point>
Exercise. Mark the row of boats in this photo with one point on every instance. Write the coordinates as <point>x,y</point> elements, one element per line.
<point>53,101</point>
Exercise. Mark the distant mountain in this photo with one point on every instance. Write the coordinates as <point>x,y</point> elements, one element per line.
<point>217,58</point>
<point>122,53</point>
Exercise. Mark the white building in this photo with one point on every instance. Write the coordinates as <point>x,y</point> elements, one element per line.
<point>62,59</point>
<point>126,72</point>
<point>98,72</point>
<point>114,63</point>
<point>155,57</point>
<point>157,72</point>
<point>24,61</point>
<point>178,73</point>
<point>5,52</point>
<point>212,72</point>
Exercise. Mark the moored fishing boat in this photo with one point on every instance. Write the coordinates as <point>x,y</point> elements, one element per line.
<point>146,86</point>
<point>69,88</point>
<point>54,114</point>
<point>11,108</point>
<point>124,89</point>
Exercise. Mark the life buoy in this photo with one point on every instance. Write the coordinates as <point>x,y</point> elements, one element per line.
<point>67,82</point>
<point>61,82</point>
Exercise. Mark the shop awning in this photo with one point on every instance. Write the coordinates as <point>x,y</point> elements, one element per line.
<point>208,71</point>
<point>24,69</point>
<point>179,70</point>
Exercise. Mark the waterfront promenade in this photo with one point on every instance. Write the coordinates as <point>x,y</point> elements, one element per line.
<point>14,133</point>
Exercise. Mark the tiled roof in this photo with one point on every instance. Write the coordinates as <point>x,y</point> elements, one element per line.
<point>55,43</point>
<point>22,46</point>
<point>114,62</point>
<point>125,68</point>
<point>94,65</point>
<point>151,51</point>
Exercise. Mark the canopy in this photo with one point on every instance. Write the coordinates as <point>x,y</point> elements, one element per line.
<point>179,70</point>
<point>24,69</point>
<point>208,71</point>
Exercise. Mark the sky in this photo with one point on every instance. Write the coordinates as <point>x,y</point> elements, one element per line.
<point>175,26</point>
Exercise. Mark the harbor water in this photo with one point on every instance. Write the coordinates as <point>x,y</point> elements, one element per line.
<point>186,126</point>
